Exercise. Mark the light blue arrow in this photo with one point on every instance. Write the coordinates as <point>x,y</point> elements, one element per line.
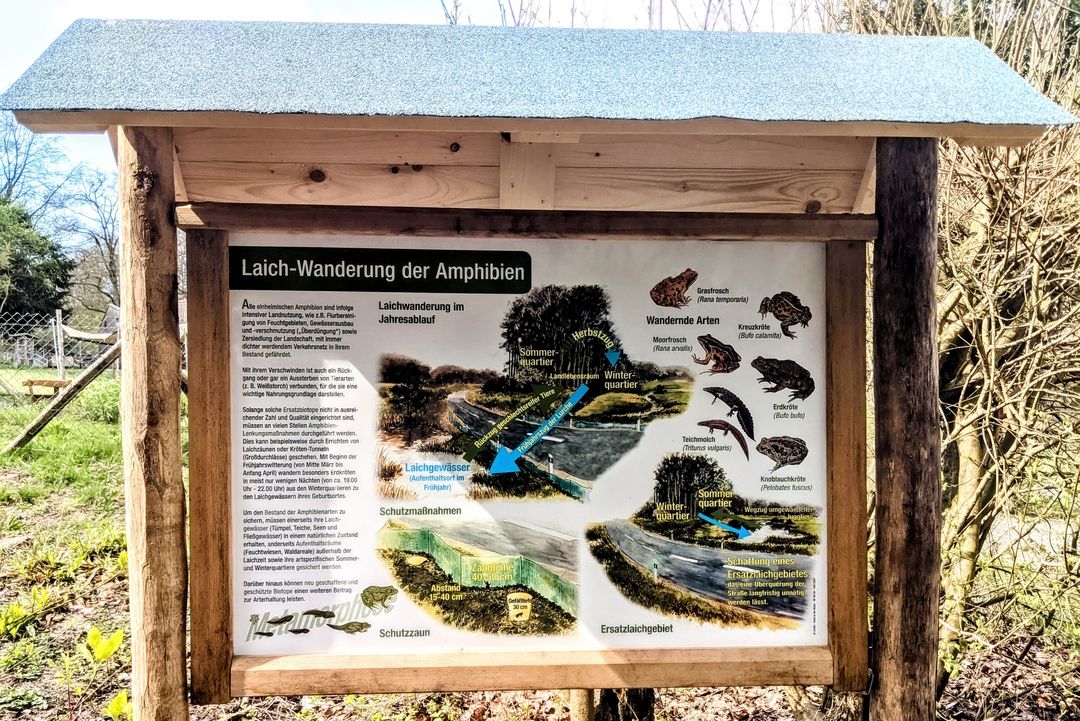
<point>740,531</point>
<point>613,357</point>
<point>506,459</point>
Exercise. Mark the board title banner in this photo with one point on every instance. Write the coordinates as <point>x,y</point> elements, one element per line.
<point>396,270</point>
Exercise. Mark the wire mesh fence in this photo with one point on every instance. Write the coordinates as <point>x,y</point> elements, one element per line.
<point>38,357</point>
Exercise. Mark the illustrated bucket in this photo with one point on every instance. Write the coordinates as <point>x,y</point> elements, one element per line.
<point>519,606</point>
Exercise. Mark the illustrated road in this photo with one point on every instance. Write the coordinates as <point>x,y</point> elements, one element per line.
<point>584,453</point>
<point>547,547</point>
<point>703,570</point>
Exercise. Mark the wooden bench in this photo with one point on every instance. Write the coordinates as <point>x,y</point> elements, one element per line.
<point>54,384</point>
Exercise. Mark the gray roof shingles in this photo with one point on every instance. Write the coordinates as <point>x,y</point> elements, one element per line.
<point>494,72</point>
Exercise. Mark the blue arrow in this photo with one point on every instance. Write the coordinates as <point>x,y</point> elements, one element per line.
<point>506,458</point>
<point>740,531</point>
<point>613,357</point>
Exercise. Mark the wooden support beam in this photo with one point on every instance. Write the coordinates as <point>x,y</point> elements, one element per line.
<point>361,147</point>
<point>343,184</point>
<point>526,176</point>
<point>541,137</point>
<point>864,196</point>
<point>908,552</point>
<point>582,704</point>
<point>707,189</point>
<point>110,133</point>
<point>178,179</point>
<point>210,467</point>
<point>75,121</point>
<point>150,413</point>
<point>845,386</point>
<point>441,223</point>
<point>494,671</point>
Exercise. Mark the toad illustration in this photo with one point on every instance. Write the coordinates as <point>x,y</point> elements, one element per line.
<point>377,595</point>
<point>723,357</point>
<point>671,292</point>
<point>784,374</point>
<point>736,406</point>
<point>786,308</point>
<point>718,424</point>
<point>783,450</point>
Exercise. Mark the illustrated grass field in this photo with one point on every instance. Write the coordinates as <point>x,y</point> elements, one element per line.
<point>477,609</point>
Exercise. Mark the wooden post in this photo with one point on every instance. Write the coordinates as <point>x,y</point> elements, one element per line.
<point>150,412</point>
<point>907,576</point>
<point>582,704</point>
<point>209,467</point>
<point>59,343</point>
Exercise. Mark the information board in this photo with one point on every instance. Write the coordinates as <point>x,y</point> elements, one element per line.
<point>526,445</point>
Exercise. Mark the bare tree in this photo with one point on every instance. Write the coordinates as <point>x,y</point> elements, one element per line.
<point>452,12</point>
<point>90,225</point>
<point>33,169</point>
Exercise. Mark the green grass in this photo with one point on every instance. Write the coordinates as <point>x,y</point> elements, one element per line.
<point>670,395</point>
<point>64,560</point>
<point>615,404</point>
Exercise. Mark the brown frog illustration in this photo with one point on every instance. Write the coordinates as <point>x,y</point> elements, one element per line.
<point>671,292</point>
<point>783,450</point>
<point>786,308</point>
<point>784,374</point>
<point>377,595</point>
<point>723,357</point>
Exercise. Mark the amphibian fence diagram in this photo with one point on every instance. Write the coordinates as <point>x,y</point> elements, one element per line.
<point>530,445</point>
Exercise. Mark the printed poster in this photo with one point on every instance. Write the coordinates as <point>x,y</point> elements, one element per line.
<point>507,444</point>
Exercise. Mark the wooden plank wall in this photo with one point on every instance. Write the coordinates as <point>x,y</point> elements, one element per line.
<point>711,173</point>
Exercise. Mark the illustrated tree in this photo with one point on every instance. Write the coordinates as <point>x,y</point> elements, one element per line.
<point>547,318</point>
<point>680,477</point>
<point>34,271</point>
<point>409,398</point>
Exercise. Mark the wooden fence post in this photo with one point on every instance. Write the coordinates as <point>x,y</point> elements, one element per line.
<point>150,412</point>
<point>907,579</point>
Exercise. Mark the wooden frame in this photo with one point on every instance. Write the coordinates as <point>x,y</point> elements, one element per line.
<point>217,675</point>
<point>96,121</point>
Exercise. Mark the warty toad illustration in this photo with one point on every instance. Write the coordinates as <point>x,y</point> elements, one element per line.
<point>377,595</point>
<point>788,309</point>
<point>783,450</point>
<point>784,374</point>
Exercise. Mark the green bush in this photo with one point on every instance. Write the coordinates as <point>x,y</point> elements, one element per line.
<point>99,402</point>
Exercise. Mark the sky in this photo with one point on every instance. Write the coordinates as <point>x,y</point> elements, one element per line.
<point>30,27</point>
